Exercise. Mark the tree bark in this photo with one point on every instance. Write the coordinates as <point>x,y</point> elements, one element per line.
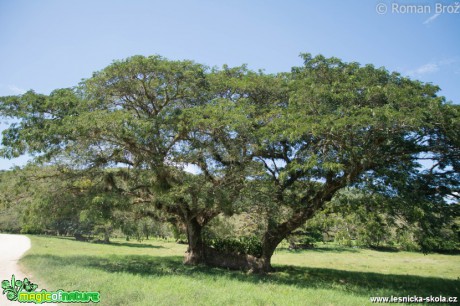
<point>276,232</point>
<point>196,247</point>
<point>107,235</point>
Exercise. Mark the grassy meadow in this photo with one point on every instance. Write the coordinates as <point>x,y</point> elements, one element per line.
<point>151,273</point>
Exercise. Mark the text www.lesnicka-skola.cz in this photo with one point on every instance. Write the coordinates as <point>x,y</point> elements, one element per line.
<point>413,299</point>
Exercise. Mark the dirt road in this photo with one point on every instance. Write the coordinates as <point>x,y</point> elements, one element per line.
<point>12,247</point>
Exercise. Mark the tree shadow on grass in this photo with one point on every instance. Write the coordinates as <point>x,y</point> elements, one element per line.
<point>319,249</point>
<point>112,243</point>
<point>136,245</point>
<point>360,283</point>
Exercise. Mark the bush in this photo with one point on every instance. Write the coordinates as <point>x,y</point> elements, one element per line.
<point>242,245</point>
<point>305,239</point>
<point>442,244</point>
<point>406,241</point>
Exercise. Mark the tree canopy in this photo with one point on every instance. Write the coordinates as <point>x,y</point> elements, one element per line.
<point>283,144</point>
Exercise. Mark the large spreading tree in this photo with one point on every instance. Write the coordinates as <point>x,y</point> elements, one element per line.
<point>346,125</point>
<point>135,115</point>
<point>286,143</point>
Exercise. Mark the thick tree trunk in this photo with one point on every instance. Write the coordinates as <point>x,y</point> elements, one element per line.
<point>269,244</point>
<point>198,252</point>
<point>196,248</point>
<point>276,232</point>
<point>248,262</point>
<point>195,222</point>
<point>106,236</point>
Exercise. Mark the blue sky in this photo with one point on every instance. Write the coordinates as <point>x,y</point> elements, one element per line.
<point>48,44</point>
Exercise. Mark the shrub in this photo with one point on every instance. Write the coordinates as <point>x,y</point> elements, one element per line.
<point>242,245</point>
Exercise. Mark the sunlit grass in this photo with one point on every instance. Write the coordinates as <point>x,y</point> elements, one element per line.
<point>151,273</point>
<point>363,260</point>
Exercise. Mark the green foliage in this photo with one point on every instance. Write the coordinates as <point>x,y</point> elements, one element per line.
<point>60,201</point>
<point>241,245</point>
<point>277,147</point>
<point>448,240</point>
<point>358,218</point>
<point>238,225</point>
<point>238,234</point>
<point>15,197</point>
<point>406,241</point>
<point>178,233</point>
<point>145,228</point>
<point>304,240</point>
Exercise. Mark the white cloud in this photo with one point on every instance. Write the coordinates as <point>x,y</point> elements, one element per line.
<point>424,69</point>
<point>16,90</point>
<point>434,67</point>
<point>448,61</point>
<point>431,19</point>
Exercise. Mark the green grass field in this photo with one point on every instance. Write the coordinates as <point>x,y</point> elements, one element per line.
<point>151,273</point>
